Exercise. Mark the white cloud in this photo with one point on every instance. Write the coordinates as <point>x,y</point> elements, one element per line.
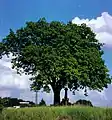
<point>11,84</point>
<point>4,93</point>
<point>9,77</point>
<point>101,26</point>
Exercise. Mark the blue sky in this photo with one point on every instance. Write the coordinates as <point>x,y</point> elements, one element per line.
<point>14,14</point>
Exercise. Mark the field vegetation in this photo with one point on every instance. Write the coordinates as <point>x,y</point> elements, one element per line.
<point>57,113</point>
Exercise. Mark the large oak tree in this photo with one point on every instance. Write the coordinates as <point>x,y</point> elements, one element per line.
<point>57,54</point>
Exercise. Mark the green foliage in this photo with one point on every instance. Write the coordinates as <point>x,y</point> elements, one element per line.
<point>84,102</point>
<point>53,113</point>
<point>57,54</point>
<point>10,102</point>
<point>3,50</point>
<point>42,103</point>
<point>1,107</point>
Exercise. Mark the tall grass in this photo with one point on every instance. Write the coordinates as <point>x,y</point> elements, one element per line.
<point>52,113</point>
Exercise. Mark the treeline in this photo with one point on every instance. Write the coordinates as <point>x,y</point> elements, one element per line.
<point>10,102</point>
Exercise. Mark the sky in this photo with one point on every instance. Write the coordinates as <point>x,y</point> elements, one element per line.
<point>97,14</point>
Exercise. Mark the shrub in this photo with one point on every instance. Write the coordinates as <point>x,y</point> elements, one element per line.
<point>1,107</point>
<point>63,102</point>
<point>84,102</point>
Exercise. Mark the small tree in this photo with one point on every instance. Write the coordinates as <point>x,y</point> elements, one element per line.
<point>42,103</point>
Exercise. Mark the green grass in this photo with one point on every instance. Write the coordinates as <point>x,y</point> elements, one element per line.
<point>51,113</point>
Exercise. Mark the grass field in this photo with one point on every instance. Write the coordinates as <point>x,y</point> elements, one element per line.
<point>54,113</point>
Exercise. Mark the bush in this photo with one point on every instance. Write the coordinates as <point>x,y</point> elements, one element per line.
<point>63,102</point>
<point>1,107</point>
<point>84,102</point>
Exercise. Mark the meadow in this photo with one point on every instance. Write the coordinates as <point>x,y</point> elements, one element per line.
<point>57,113</point>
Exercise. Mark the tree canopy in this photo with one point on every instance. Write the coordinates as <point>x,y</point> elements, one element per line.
<point>57,54</point>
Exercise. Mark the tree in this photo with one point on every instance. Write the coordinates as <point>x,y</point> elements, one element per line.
<point>42,103</point>
<point>84,102</point>
<point>56,55</point>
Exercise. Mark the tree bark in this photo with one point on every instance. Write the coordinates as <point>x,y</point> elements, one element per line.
<point>56,90</point>
<point>66,96</point>
<point>56,96</point>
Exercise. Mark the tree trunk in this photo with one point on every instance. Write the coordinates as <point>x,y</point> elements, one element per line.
<point>66,96</point>
<point>56,95</point>
<point>56,90</point>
